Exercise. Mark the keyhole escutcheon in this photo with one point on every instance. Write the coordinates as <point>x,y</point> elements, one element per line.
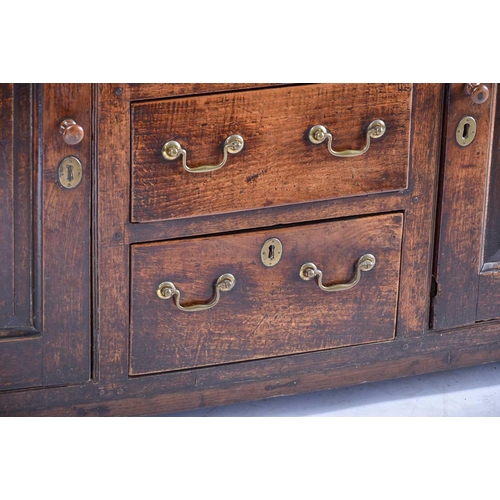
<point>70,172</point>
<point>466,131</point>
<point>271,252</point>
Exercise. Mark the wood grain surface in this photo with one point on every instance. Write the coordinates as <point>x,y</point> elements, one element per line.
<point>271,311</point>
<point>461,219</point>
<point>273,334</point>
<point>6,194</point>
<point>21,361</point>
<point>278,165</point>
<point>16,207</point>
<point>260,379</point>
<point>65,219</point>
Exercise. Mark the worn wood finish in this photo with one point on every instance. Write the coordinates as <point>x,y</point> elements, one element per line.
<point>414,300</point>
<point>459,257</point>
<point>279,165</point>
<point>48,352</point>
<point>21,362</point>
<point>492,226</point>
<point>21,345</point>
<point>488,300</point>
<point>115,232</point>
<point>148,91</point>
<point>6,194</point>
<point>15,210</point>
<point>232,383</point>
<point>270,311</point>
<point>65,236</point>
<point>113,198</point>
<point>488,303</point>
<point>54,347</point>
<point>267,217</point>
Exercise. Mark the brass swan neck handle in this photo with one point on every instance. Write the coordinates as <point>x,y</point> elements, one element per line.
<point>171,150</point>
<point>319,133</point>
<point>168,290</point>
<point>309,271</point>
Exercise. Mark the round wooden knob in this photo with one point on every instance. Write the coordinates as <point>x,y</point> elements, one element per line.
<point>71,132</point>
<point>478,92</point>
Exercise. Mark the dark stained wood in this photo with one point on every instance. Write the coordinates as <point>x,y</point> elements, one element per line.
<point>270,311</point>
<point>279,165</point>
<point>215,386</point>
<point>65,237</point>
<point>21,362</point>
<point>20,343</point>
<point>420,207</point>
<point>115,232</point>
<point>6,195</point>
<point>468,282</point>
<point>113,191</point>
<point>149,91</point>
<point>488,303</point>
<point>461,220</point>
<point>15,209</point>
<point>296,352</point>
<point>267,217</point>
<point>48,340</point>
<point>492,225</point>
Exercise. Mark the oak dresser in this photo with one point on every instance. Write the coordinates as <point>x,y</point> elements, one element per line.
<point>172,246</point>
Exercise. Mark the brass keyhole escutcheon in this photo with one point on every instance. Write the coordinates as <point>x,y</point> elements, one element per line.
<point>466,131</point>
<point>271,252</point>
<point>70,172</point>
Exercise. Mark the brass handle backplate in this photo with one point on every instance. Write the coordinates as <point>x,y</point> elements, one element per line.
<point>319,133</point>
<point>171,150</point>
<point>309,271</point>
<point>168,290</point>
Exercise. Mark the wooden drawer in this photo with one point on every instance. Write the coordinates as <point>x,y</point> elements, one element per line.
<point>278,164</point>
<point>270,311</point>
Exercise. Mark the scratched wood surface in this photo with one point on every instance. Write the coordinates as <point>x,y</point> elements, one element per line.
<point>15,209</point>
<point>6,194</point>
<point>260,379</point>
<point>21,346</point>
<point>148,91</point>
<point>488,302</point>
<point>270,311</point>
<point>278,165</point>
<point>462,217</point>
<point>66,238</point>
<point>301,362</point>
<point>52,345</point>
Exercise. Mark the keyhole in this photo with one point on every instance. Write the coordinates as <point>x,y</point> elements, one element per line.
<point>465,134</point>
<point>70,173</point>
<point>270,254</point>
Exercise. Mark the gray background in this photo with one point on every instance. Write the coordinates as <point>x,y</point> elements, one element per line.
<point>473,391</point>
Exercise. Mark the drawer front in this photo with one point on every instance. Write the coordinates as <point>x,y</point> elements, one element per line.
<point>278,164</point>
<point>270,311</point>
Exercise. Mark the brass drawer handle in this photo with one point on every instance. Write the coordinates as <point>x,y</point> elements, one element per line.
<point>319,133</point>
<point>171,150</point>
<point>309,270</point>
<point>167,290</point>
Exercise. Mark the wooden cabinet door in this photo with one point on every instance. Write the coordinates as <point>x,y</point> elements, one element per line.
<point>45,243</point>
<point>467,271</point>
